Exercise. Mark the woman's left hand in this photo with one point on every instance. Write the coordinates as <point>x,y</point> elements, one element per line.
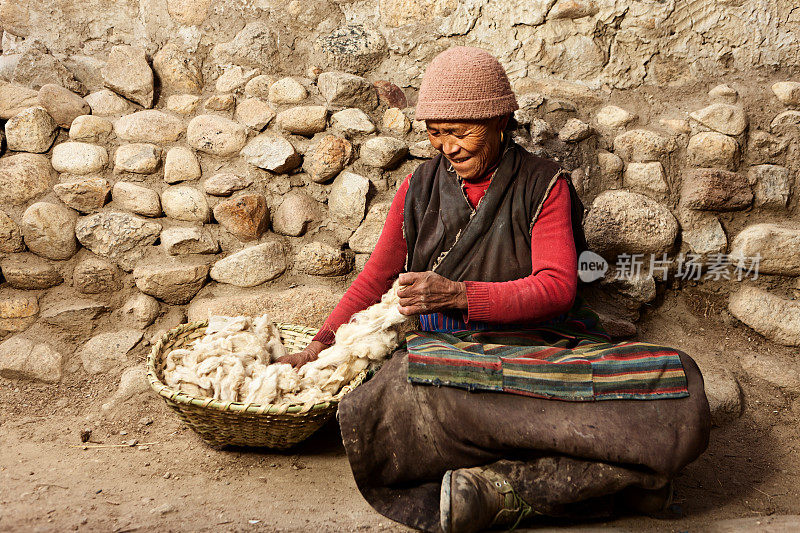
<point>427,292</point>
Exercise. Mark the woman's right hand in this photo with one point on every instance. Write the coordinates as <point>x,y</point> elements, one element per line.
<point>306,355</point>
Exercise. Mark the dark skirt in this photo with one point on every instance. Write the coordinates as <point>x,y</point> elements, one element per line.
<point>401,438</point>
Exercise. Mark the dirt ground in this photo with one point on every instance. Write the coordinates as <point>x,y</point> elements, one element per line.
<point>175,482</point>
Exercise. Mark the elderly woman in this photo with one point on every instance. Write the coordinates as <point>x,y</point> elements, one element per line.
<point>539,413</point>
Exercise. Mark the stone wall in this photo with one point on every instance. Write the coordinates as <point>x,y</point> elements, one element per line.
<point>169,159</point>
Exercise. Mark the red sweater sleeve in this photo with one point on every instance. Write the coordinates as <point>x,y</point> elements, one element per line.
<point>385,263</point>
<point>550,289</point>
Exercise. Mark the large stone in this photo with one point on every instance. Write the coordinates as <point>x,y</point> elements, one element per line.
<point>348,198</point>
<point>185,104</point>
<point>24,359</point>
<point>422,150</point>
<point>10,235</point>
<point>121,237</point>
<point>639,288</point>
<point>181,240</point>
<point>136,198</point>
<point>723,118</point>
<point>352,48</point>
<point>252,266</point>
<point>271,152</point>
<point>647,178</point>
<point>259,87</point>
<point>245,216</point>
<point>724,93</point>
<point>182,202</point>
<point>49,230</point>
<point>296,213</point>
<point>37,66</point>
<point>610,166</point>
<point>528,105</point>
<point>79,158</point>
<point>74,316</point>
<point>641,146</point>
<point>395,120</point>
<point>628,222</point>
<point>778,371</point>
<point>366,236</point>
<point>177,71</point>
<point>107,103</point>
<point>181,165</point>
<point>140,310</point>
<point>346,90</point>
<point>352,122</point>
<point>216,135</point>
<point>322,259</point>
<point>383,152</point>
<point>29,272</point>
<point>18,311</point>
<point>304,304</point>
<point>234,78</point>
<point>574,130</point>
<point>175,281</point>
<point>149,126</point>
<point>772,185</point>
<point>137,158</point>
<point>95,275</point>
<point>90,128</point>
<point>188,12</point>
<point>712,149</point>
<point>573,9</point>
<point>108,351</point>
<point>764,147</point>
<point>221,102</point>
<point>715,190</point>
<point>128,74</point>
<point>304,120</point>
<point>32,130</point>
<point>287,91</point>
<point>390,94</point>
<point>86,195</point>
<point>702,232</point>
<point>23,177</point>
<point>786,123</point>
<point>788,92</point>
<point>724,395</point>
<point>15,98</point>
<point>62,104</point>
<point>226,183</point>
<point>254,46</point>
<point>328,158</point>
<point>777,245</point>
<point>612,116</point>
<point>254,113</point>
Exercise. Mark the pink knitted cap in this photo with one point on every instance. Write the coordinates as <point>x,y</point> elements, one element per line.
<point>465,83</point>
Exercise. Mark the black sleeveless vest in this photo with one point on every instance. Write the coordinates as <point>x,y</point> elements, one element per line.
<point>492,242</point>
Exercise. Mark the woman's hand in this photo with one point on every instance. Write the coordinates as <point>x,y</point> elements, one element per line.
<point>427,292</point>
<point>306,355</point>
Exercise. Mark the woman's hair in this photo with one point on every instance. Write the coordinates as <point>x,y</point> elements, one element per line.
<point>512,124</point>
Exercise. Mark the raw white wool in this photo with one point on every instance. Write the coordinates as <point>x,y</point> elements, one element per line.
<point>234,360</point>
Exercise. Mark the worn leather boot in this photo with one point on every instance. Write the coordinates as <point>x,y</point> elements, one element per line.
<point>474,499</point>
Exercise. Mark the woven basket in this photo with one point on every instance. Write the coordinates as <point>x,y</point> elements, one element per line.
<point>221,423</point>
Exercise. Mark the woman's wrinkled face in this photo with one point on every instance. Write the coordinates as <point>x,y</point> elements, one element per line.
<point>471,146</point>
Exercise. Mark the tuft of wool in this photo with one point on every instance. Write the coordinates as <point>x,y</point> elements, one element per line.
<point>234,360</point>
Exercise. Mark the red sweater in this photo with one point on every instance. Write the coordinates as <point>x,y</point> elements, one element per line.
<point>548,292</point>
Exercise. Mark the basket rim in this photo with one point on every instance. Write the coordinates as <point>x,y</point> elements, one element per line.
<point>181,397</point>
